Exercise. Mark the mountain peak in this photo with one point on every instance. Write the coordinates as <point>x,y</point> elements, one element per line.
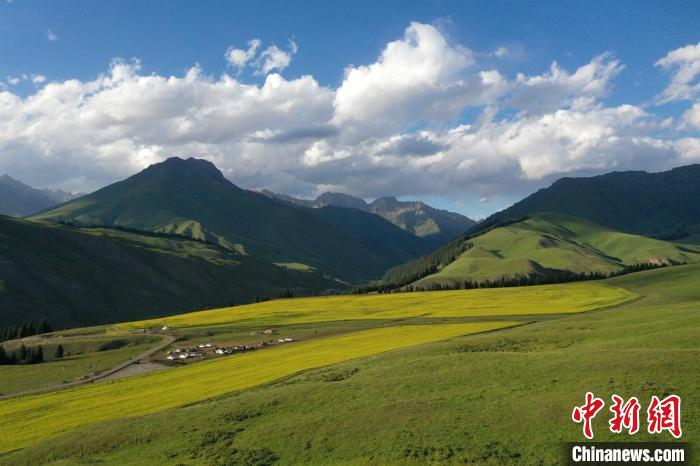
<point>190,166</point>
<point>413,216</point>
<point>16,198</point>
<point>7,179</point>
<point>386,202</point>
<point>340,199</point>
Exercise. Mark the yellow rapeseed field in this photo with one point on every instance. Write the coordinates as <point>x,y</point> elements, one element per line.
<point>574,297</point>
<point>28,420</point>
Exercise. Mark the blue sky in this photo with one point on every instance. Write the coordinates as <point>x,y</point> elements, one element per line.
<point>78,40</point>
<point>169,37</point>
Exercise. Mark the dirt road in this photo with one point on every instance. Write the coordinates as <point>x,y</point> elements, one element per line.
<point>167,340</point>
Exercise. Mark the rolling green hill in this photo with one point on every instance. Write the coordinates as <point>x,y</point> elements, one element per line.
<point>663,205</point>
<point>502,397</point>
<point>85,277</point>
<point>543,245</point>
<point>193,198</point>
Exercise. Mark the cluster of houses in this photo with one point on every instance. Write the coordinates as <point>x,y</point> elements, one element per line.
<point>154,330</point>
<point>193,352</point>
<point>234,349</point>
<point>207,349</point>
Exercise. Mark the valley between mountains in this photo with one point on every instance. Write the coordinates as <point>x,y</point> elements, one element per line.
<point>176,318</point>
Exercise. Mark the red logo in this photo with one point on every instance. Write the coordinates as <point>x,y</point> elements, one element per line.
<point>624,415</point>
<point>665,415</point>
<point>662,415</point>
<point>587,412</point>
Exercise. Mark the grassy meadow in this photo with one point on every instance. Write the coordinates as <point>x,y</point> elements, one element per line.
<point>31,419</point>
<point>414,394</point>
<point>548,242</point>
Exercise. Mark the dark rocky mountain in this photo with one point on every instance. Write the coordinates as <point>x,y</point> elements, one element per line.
<point>435,225</point>
<point>17,199</point>
<point>60,196</point>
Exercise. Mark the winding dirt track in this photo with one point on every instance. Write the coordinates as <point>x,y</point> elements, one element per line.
<point>167,340</point>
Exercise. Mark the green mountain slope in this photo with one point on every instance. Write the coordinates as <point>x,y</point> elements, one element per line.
<point>86,277</point>
<point>192,197</point>
<point>541,245</point>
<point>375,233</point>
<point>664,205</point>
<point>548,244</point>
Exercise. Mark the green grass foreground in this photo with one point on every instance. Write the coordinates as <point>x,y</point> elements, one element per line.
<point>31,419</point>
<point>502,397</point>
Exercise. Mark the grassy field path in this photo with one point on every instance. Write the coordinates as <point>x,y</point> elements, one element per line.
<point>167,340</point>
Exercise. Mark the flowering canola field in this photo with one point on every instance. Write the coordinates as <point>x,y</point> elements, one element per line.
<point>31,419</point>
<point>546,299</point>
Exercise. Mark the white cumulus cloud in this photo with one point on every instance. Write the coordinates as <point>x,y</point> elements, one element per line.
<point>425,117</point>
<point>684,63</point>
<point>86,133</point>
<point>691,118</point>
<point>501,52</point>
<point>239,58</point>
<point>34,78</point>
<point>263,62</point>
<point>558,88</point>
<point>274,58</point>
<point>417,77</point>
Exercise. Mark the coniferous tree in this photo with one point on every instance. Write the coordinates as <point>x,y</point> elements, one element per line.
<point>23,354</point>
<point>44,326</point>
<point>38,355</point>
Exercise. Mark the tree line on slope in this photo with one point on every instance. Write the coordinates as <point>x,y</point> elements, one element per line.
<point>554,277</point>
<point>27,329</point>
<point>24,355</point>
